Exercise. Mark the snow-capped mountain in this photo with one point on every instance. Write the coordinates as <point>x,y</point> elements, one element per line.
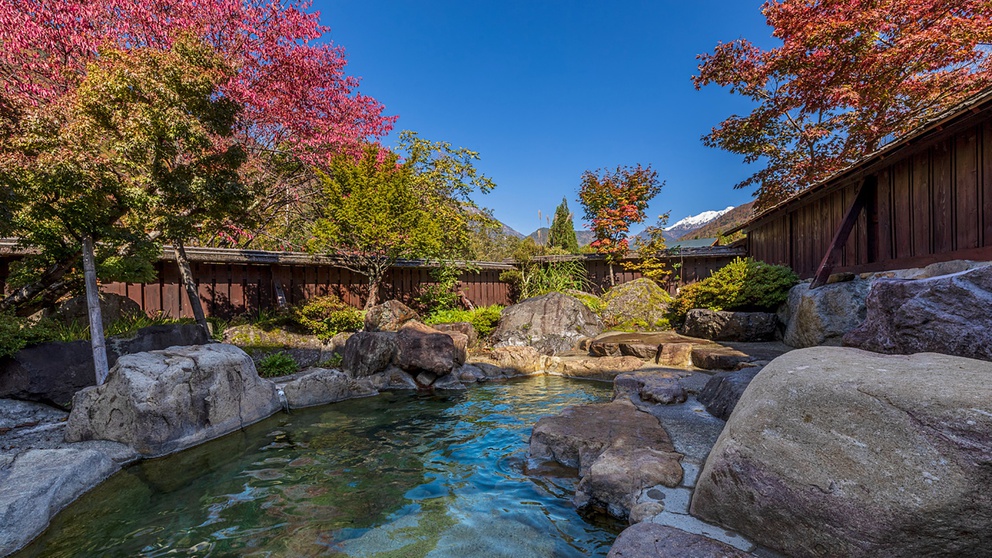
<point>691,223</point>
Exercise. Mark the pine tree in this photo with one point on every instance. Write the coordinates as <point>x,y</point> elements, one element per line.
<point>562,232</point>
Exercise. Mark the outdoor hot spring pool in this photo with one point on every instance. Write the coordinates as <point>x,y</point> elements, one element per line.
<point>397,475</point>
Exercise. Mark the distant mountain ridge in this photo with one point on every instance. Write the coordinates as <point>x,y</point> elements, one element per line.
<point>722,223</point>
<point>692,223</point>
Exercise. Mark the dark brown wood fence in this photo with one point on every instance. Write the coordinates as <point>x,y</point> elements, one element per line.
<point>236,282</point>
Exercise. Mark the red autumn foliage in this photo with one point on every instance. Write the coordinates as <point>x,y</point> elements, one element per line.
<point>849,76</point>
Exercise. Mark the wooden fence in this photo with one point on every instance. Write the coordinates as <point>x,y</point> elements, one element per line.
<point>236,282</point>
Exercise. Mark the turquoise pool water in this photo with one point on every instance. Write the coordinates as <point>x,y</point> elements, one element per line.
<point>397,475</point>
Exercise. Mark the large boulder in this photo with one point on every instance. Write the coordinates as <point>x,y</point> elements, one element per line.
<point>823,315</point>
<point>639,304</point>
<point>367,353</point>
<point>319,386</point>
<point>730,326</point>
<point>841,452</point>
<point>160,402</point>
<point>458,338</point>
<point>551,323</point>
<point>421,351</point>
<point>647,539</point>
<point>618,450</point>
<point>52,373</point>
<point>389,316</point>
<point>945,314</point>
<point>465,328</point>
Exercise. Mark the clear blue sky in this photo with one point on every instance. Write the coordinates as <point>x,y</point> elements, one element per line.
<point>544,90</point>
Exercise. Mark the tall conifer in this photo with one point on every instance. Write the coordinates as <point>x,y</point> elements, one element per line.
<point>562,232</point>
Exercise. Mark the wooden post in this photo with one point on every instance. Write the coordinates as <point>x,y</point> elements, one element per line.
<point>97,341</point>
<point>865,192</point>
<point>186,278</point>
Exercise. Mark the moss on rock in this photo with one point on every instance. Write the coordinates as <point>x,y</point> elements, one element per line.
<point>640,305</point>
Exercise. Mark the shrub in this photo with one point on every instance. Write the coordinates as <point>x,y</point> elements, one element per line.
<point>326,316</point>
<point>277,364</point>
<point>334,361</point>
<point>483,318</point>
<point>744,284</point>
<point>441,295</point>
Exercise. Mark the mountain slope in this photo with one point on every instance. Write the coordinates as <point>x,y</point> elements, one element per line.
<point>691,223</point>
<point>721,223</point>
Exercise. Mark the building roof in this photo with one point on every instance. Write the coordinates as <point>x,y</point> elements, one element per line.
<point>961,114</point>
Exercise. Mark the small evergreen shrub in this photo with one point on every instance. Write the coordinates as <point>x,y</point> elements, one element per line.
<point>277,364</point>
<point>484,318</point>
<point>326,316</point>
<point>744,284</point>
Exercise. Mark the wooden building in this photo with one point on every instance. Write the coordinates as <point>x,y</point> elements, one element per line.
<point>923,199</point>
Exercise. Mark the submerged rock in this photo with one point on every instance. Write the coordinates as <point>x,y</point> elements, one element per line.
<point>39,483</point>
<point>841,452</point>
<point>617,449</point>
<point>164,401</point>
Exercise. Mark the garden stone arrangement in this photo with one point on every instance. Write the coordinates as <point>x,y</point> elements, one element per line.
<point>709,447</point>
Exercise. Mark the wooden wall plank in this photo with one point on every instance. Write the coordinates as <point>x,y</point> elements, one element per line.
<point>922,200</point>
<point>902,218</point>
<point>943,203</point>
<point>967,222</point>
<point>986,183</point>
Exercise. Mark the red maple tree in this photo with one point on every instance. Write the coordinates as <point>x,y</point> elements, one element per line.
<point>292,89</point>
<point>614,200</point>
<point>848,77</point>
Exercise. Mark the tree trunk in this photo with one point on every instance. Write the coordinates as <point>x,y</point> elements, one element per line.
<point>49,287</point>
<point>613,281</point>
<point>186,276</point>
<point>375,279</point>
<point>96,319</point>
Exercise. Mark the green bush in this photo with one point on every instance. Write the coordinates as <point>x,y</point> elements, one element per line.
<point>441,295</point>
<point>483,318</point>
<point>277,364</point>
<point>326,316</point>
<point>744,284</point>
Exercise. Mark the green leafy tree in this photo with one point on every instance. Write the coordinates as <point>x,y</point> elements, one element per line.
<point>376,210</point>
<point>562,234</point>
<point>136,152</point>
<point>649,262</point>
<point>614,200</point>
